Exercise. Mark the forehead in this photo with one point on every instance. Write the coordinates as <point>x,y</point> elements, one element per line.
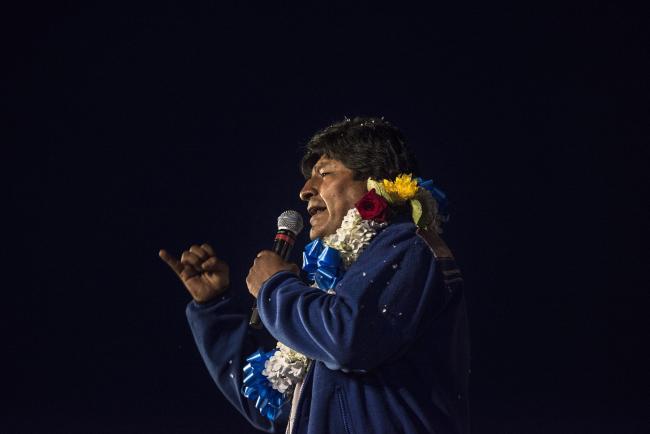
<point>325,161</point>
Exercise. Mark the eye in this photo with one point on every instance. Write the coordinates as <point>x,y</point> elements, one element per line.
<point>322,174</point>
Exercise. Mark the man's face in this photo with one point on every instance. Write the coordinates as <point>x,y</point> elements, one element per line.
<point>330,192</point>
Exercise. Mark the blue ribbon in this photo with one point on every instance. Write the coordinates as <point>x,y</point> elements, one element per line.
<point>322,264</point>
<point>257,387</point>
<point>437,194</point>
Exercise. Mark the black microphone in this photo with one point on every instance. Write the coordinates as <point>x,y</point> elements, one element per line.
<point>289,226</point>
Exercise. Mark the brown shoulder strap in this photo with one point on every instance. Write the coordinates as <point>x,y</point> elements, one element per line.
<point>450,272</point>
<point>435,243</point>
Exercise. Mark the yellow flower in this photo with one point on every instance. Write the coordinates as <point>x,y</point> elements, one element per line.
<point>403,188</point>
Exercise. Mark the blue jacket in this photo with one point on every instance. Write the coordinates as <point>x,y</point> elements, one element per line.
<point>390,349</point>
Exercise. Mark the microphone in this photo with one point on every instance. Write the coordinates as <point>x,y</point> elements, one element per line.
<point>289,226</point>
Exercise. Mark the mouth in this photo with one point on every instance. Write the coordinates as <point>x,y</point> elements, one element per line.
<point>315,210</point>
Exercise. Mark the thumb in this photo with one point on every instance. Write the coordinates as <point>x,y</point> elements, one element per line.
<point>173,263</point>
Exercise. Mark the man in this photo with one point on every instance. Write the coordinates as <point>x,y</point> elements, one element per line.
<point>387,346</point>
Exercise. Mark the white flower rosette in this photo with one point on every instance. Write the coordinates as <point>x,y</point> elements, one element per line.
<point>285,369</point>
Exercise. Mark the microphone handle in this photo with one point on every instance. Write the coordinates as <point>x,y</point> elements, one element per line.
<point>282,245</point>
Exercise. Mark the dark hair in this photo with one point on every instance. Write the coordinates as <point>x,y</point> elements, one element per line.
<point>370,147</point>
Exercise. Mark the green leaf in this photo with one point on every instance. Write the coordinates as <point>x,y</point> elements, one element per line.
<point>379,189</point>
<point>426,202</point>
<point>416,209</point>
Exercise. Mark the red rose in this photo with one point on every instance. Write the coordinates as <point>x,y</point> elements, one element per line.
<point>372,206</point>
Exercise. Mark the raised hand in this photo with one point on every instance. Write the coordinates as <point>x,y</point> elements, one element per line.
<point>202,273</point>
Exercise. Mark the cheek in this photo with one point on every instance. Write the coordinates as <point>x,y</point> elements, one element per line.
<point>341,203</point>
<point>353,195</point>
<point>340,200</point>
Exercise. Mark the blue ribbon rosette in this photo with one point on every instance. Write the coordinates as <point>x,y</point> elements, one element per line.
<point>438,195</point>
<point>322,264</point>
<point>258,388</point>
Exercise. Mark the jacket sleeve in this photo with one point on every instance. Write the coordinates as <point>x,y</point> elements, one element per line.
<point>373,315</point>
<point>224,340</point>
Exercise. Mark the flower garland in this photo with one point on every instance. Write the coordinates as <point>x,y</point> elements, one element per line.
<point>353,236</point>
<point>270,378</point>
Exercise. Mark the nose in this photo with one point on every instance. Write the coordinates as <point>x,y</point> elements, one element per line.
<point>308,190</point>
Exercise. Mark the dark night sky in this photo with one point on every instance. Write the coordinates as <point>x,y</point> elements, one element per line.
<point>138,127</point>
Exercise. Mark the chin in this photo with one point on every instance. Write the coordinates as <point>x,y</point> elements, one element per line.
<point>318,232</point>
<point>314,233</point>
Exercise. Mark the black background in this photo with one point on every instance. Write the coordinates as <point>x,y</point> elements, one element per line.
<point>137,127</point>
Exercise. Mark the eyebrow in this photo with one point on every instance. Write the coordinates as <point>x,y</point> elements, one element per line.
<point>318,166</point>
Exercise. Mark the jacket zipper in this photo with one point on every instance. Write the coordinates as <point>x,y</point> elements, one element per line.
<point>342,407</point>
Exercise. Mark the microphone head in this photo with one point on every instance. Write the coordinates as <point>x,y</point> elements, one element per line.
<point>290,220</point>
